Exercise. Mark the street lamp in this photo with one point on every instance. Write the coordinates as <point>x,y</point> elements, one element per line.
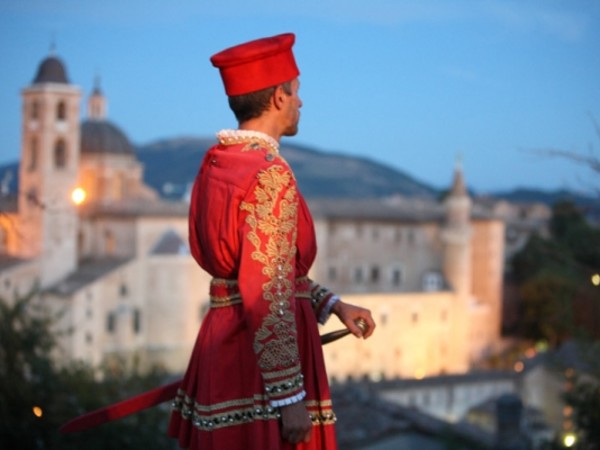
<point>569,440</point>
<point>78,196</point>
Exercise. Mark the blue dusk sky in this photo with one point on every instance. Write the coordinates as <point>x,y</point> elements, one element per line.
<point>411,84</point>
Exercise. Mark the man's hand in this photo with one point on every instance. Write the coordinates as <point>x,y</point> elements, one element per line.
<point>296,425</point>
<point>349,314</point>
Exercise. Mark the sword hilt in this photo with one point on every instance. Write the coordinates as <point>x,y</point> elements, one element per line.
<point>338,334</point>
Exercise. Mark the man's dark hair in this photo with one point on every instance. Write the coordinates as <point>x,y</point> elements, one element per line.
<point>252,105</point>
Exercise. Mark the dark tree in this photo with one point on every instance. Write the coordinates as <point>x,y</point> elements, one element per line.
<point>38,396</point>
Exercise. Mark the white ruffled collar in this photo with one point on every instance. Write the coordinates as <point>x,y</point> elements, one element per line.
<point>230,137</point>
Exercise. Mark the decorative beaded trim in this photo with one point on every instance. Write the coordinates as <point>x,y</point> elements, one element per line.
<point>247,411</point>
<point>220,302</point>
<point>236,299</point>
<point>232,137</point>
<point>322,300</point>
<point>282,388</point>
<point>319,295</point>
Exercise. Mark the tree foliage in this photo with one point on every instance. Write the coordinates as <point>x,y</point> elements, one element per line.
<point>38,395</point>
<point>553,277</point>
<point>559,302</point>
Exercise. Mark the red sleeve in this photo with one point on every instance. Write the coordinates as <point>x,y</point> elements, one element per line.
<point>267,279</point>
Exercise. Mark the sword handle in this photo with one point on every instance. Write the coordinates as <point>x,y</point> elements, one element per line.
<point>338,334</point>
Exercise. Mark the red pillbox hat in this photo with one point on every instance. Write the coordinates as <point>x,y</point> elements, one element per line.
<point>257,64</point>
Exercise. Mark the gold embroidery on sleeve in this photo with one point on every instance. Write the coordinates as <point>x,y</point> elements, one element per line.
<point>273,234</point>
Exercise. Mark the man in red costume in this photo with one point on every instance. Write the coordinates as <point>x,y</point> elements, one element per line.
<point>256,378</point>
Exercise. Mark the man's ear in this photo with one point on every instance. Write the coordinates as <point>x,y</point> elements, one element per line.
<point>279,97</point>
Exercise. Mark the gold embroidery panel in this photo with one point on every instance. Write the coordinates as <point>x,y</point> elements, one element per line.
<point>272,221</point>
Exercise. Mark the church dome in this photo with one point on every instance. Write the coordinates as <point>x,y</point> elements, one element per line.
<point>101,136</point>
<point>51,70</point>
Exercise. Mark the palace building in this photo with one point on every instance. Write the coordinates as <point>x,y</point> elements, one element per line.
<point>116,262</point>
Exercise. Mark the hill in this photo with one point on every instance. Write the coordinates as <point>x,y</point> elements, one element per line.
<point>171,164</point>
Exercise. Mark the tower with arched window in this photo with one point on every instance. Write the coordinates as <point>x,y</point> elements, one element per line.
<point>49,170</point>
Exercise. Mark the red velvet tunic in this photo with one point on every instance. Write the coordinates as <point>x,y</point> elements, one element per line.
<point>259,344</point>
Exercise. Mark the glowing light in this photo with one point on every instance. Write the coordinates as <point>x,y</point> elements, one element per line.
<point>37,411</point>
<point>419,374</point>
<point>541,346</point>
<point>78,196</point>
<point>530,352</point>
<point>569,439</point>
<point>596,279</point>
<point>376,376</point>
<point>519,366</point>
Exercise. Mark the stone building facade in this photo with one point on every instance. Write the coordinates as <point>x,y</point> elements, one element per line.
<point>118,265</point>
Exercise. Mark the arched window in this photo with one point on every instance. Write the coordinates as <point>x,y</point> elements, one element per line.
<point>35,110</point>
<point>60,154</point>
<point>33,155</point>
<point>61,111</point>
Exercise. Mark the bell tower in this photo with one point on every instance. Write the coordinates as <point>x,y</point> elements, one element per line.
<point>48,171</point>
<point>456,238</point>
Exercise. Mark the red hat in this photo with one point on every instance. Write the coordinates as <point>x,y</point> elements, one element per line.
<point>257,65</point>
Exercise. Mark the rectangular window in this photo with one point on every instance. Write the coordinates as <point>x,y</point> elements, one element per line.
<point>358,275</point>
<point>374,274</point>
<point>110,322</point>
<point>137,321</point>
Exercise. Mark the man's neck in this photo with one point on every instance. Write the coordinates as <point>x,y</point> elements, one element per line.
<point>262,125</point>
